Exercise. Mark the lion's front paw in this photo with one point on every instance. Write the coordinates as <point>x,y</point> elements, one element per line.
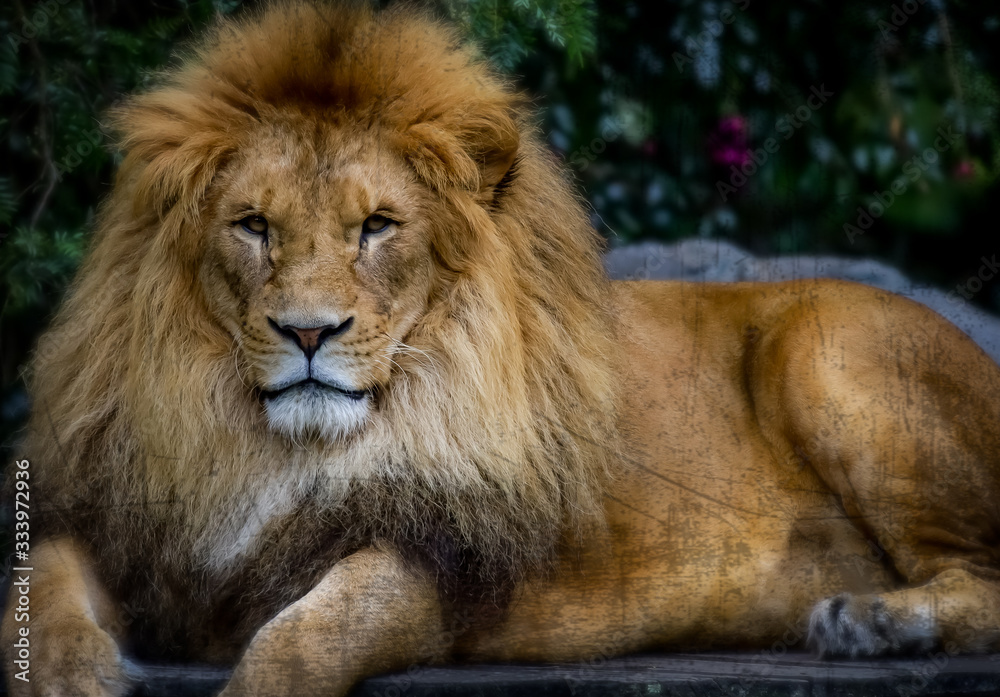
<point>76,659</point>
<point>850,625</point>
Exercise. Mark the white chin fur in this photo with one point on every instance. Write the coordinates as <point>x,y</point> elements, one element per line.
<point>311,411</point>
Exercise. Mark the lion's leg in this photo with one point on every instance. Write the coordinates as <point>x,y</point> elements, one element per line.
<point>70,649</point>
<point>955,611</point>
<point>901,419</point>
<point>370,614</point>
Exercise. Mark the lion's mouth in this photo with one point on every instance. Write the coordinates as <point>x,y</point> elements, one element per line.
<point>314,384</point>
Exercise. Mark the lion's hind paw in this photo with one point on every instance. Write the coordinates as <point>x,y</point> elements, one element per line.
<point>852,626</point>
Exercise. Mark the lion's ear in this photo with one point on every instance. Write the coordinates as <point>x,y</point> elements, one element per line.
<point>172,147</point>
<point>472,152</point>
<point>496,162</point>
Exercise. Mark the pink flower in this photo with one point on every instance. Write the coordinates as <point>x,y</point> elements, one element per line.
<point>730,156</point>
<point>735,125</point>
<point>728,142</point>
<point>964,170</point>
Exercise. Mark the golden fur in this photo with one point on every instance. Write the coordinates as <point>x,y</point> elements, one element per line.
<point>496,454</point>
<point>501,415</point>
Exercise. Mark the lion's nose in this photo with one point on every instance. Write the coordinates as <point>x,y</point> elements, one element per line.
<point>309,339</point>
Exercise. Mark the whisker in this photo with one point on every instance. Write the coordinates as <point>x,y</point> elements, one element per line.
<point>389,359</point>
<point>236,363</point>
<point>412,351</point>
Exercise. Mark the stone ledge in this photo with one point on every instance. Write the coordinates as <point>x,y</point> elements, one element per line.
<point>695,675</point>
<point>729,674</point>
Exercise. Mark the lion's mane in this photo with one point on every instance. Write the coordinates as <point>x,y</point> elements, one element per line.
<point>493,442</point>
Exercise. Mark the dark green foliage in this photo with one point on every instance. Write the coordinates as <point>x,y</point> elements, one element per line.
<point>508,30</point>
<point>643,124</point>
<point>62,64</point>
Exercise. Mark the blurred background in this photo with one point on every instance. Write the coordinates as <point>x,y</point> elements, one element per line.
<point>859,129</point>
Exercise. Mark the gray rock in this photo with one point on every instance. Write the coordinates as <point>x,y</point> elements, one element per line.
<point>716,260</point>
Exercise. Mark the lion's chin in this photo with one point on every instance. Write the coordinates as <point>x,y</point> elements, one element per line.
<point>310,410</point>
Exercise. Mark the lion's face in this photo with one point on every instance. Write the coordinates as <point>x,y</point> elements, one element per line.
<point>319,265</point>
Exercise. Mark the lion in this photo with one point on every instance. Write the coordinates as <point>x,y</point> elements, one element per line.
<point>341,387</point>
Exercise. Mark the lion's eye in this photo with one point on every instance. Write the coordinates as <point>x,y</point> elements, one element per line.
<point>255,224</point>
<point>375,224</point>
